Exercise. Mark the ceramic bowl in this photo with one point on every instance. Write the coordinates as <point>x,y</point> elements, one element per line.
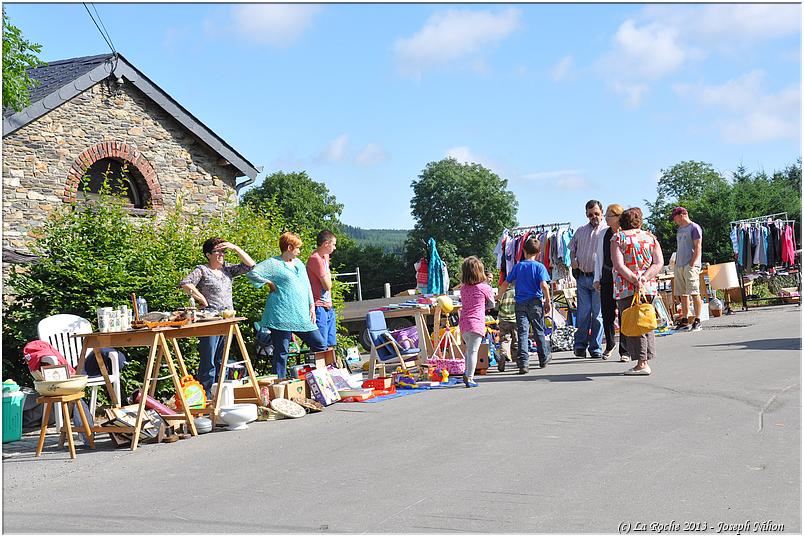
<point>237,416</point>
<point>203,425</point>
<point>61,387</point>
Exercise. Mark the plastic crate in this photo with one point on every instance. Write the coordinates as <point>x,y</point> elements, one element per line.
<point>12,416</point>
<point>382,383</point>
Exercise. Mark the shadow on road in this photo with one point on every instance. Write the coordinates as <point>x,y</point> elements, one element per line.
<point>781,344</point>
<point>536,374</point>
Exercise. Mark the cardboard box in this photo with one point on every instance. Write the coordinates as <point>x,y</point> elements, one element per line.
<point>322,389</point>
<point>325,358</point>
<point>278,390</point>
<point>246,391</point>
<point>482,355</point>
<point>295,389</point>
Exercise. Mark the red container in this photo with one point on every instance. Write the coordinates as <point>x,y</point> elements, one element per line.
<point>382,383</point>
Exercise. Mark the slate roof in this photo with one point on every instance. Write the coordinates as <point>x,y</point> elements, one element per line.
<point>55,75</point>
<point>64,79</point>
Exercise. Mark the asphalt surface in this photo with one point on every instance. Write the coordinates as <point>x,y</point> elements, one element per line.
<point>712,437</point>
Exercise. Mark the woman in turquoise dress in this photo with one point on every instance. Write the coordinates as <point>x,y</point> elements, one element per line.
<point>290,307</point>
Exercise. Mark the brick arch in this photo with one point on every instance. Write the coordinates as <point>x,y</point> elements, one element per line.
<point>120,150</point>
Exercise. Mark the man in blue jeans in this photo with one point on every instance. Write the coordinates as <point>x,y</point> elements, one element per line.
<point>532,303</point>
<point>321,282</point>
<point>583,251</point>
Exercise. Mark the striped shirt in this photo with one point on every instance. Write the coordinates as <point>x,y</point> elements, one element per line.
<point>583,246</point>
<point>507,309</point>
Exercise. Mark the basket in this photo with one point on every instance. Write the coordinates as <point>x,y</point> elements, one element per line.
<point>453,367</point>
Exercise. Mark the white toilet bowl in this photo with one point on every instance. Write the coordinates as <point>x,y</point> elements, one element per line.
<point>237,416</point>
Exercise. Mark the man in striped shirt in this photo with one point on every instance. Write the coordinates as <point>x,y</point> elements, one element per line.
<point>583,251</point>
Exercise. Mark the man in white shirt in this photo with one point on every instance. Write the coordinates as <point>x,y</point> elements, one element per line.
<point>583,253</point>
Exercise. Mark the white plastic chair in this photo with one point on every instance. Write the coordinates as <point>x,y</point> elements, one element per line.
<point>57,330</point>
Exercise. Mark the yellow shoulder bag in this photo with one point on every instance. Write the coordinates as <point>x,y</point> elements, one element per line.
<point>639,318</point>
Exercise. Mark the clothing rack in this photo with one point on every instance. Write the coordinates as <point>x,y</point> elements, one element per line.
<point>760,219</point>
<point>541,227</point>
<point>740,269</point>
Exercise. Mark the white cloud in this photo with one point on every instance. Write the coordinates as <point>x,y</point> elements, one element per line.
<point>648,51</point>
<point>751,114</point>
<point>371,154</point>
<point>561,69</point>
<point>454,35</point>
<point>336,150</point>
<point>272,24</point>
<point>661,40</point>
<point>465,155</point>
<point>730,24</point>
<point>551,174</point>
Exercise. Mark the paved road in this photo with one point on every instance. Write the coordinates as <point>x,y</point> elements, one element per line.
<point>713,436</point>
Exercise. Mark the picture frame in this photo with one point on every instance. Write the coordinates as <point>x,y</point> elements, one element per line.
<point>54,372</point>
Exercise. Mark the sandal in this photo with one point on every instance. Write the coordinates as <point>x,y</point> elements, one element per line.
<point>642,372</point>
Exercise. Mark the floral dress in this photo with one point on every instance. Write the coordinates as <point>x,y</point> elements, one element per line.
<point>637,246</point>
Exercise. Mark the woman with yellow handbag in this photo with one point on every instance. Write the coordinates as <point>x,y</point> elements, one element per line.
<point>637,258</point>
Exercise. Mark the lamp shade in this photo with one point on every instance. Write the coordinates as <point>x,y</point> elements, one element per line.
<point>723,276</point>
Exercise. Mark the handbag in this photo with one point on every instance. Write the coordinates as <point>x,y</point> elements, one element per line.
<point>639,318</point>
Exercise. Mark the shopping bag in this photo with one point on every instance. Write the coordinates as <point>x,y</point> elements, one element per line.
<point>639,318</point>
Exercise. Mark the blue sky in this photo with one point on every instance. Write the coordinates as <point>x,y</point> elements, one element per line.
<point>567,102</point>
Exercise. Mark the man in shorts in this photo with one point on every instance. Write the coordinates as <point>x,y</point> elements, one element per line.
<point>687,273</point>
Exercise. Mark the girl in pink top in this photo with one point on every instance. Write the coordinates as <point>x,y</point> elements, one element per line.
<point>476,297</point>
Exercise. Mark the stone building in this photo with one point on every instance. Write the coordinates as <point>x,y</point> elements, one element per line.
<point>99,113</point>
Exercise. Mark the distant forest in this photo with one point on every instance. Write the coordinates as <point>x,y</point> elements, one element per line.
<point>391,241</point>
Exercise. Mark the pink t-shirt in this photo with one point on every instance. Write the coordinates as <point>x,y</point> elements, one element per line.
<point>473,307</point>
<point>318,267</point>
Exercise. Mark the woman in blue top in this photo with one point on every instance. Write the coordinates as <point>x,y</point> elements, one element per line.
<point>290,306</point>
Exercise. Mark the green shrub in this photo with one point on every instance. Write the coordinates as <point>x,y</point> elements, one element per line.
<point>96,255</point>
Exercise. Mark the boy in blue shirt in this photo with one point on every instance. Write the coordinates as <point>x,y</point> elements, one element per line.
<point>532,303</point>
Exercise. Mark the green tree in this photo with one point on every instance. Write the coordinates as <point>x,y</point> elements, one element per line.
<point>305,203</point>
<point>464,207</point>
<point>19,55</point>
<point>377,267</point>
<point>713,202</point>
<point>94,254</point>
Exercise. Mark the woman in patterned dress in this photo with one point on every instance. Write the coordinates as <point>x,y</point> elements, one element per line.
<point>211,287</point>
<point>637,258</point>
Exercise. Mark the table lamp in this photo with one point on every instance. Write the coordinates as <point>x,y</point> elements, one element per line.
<point>724,276</point>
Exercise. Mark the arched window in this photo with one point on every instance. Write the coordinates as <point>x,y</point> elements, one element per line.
<point>121,178</point>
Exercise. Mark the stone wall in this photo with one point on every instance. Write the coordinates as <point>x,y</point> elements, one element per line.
<point>43,160</point>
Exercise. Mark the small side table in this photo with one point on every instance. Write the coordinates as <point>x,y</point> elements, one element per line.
<point>67,402</point>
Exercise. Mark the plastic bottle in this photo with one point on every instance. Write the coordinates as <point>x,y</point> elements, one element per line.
<point>142,306</point>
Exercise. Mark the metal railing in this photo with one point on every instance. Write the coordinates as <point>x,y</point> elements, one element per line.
<point>356,274</point>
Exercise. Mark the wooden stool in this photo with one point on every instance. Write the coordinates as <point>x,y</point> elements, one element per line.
<point>67,401</point>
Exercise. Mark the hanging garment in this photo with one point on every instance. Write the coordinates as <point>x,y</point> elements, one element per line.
<point>774,255</point>
<point>499,249</point>
<point>566,237</point>
<point>510,254</point>
<point>435,277</point>
<point>777,239</point>
<point>746,259</point>
<point>789,246</point>
<point>733,237</point>
<point>763,245</point>
<point>758,244</point>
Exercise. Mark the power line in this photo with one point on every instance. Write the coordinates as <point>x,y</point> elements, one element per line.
<point>104,28</point>
<point>109,39</point>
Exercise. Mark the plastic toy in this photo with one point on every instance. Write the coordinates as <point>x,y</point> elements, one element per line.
<point>193,393</point>
<point>404,379</point>
<point>439,375</point>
